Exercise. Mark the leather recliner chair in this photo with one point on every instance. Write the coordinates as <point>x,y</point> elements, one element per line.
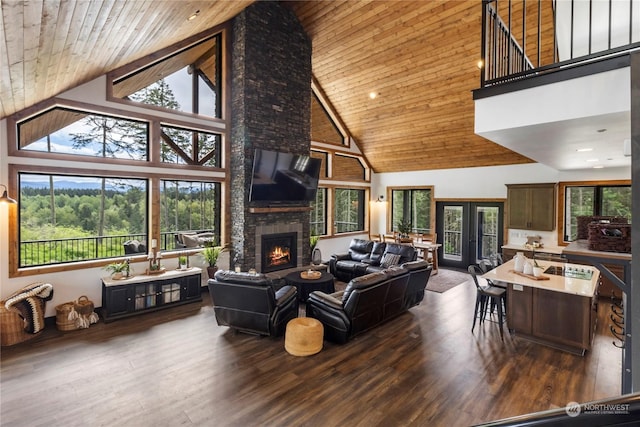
<point>419,273</point>
<point>366,302</point>
<point>366,256</point>
<point>249,303</point>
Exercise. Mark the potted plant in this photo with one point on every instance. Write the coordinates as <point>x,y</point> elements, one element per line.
<point>182,262</point>
<point>210,254</point>
<point>404,228</point>
<point>118,270</point>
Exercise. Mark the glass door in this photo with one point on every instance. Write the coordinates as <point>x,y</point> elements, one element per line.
<point>468,232</point>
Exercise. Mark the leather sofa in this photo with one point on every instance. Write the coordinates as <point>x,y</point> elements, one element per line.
<point>369,300</point>
<point>366,256</point>
<point>249,303</point>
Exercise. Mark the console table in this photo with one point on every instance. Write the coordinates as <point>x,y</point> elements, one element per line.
<point>144,293</point>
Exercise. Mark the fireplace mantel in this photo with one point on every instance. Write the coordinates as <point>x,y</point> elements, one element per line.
<point>274,209</point>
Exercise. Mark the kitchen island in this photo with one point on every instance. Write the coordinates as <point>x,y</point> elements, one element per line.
<point>558,309</point>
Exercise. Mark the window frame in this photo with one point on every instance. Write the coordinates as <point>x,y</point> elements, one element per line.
<point>561,202</point>
<point>432,218</point>
<point>362,215</point>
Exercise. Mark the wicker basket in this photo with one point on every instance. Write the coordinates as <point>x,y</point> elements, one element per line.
<point>12,327</point>
<point>610,237</point>
<point>63,323</point>
<point>84,306</point>
<point>584,221</point>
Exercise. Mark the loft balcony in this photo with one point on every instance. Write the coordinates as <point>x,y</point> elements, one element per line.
<point>555,78</point>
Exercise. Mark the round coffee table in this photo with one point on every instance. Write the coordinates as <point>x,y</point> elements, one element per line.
<point>323,283</point>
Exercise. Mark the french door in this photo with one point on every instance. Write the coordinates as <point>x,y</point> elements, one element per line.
<point>468,231</point>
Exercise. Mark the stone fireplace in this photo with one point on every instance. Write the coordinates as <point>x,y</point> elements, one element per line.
<point>270,109</point>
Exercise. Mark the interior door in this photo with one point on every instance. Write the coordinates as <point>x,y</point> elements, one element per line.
<point>468,232</point>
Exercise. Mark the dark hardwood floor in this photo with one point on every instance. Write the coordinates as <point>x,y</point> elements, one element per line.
<point>177,367</point>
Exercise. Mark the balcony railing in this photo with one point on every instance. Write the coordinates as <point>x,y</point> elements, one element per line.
<point>522,39</point>
<point>59,251</point>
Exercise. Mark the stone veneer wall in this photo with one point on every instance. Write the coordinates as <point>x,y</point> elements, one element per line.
<point>270,109</point>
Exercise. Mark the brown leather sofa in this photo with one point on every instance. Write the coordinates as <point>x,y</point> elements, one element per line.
<point>366,256</point>
<point>250,303</point>
<point>369,300</point>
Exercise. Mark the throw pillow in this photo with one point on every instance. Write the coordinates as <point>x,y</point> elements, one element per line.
<point>389,259</point>
<point>190,241</point>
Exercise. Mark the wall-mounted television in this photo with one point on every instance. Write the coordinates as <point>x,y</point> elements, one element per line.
<point>281,177</point>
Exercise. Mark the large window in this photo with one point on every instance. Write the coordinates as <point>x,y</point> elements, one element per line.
<point>189,206</point>
<point>411,206</point>
<point>318,219</point>
<point>184,146</point>
<point>608,200</point>
<point>349,210</point>
<point>67,131</point>
<point>188,81</point>
<point>66,218</point>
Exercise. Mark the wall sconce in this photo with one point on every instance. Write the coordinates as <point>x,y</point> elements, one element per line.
<point>5,197</point>
<point>380,198</point>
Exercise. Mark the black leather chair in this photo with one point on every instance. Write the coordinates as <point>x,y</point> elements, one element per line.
<point>249,303</point>
<point>133,247</point>
<point>419,273</point>
<point>366,302</point>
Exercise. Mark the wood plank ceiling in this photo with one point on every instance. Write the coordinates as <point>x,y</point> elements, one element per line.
<point>418,56</point>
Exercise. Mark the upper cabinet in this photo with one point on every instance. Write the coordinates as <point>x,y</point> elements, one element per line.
<point>531,206</point>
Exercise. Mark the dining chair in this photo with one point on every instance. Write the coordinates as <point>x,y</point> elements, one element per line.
<point>487,296</point>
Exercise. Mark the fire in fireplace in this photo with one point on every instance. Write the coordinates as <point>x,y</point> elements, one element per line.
<point>279,251</point>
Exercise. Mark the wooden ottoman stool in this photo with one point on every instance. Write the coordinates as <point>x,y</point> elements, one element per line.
<point>303,336</point>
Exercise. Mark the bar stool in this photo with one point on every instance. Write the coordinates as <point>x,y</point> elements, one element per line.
<point>488,295</point>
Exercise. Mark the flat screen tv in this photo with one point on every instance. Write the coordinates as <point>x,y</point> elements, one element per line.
<point>284,177</point>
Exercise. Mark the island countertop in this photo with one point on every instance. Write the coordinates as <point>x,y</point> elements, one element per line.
<point>569,285</point>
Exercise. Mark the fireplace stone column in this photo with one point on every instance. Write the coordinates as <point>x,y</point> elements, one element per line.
<point>270,109</point>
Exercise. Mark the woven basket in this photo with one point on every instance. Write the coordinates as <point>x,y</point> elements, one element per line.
<point>12,327</point>
<point>62,317</point>
<point>84,306</point>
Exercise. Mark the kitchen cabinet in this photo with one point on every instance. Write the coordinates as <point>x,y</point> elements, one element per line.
<point>531,206</point>
<point>145,293</point>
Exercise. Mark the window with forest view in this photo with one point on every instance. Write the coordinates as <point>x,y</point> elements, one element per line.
<point>66,131</point>
<point>190,81</point>
<point>183,146</point>
<point>318,219</point>
<point>349,210</point>
<point>412,207</point>
<point>189,206</point>
<point>594,200</point>
<point>64,218</point>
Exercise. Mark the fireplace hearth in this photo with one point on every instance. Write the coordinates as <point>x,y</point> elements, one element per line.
<point>279,251</point>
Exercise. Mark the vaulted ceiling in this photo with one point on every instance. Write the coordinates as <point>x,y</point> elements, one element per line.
<point>418,57</point>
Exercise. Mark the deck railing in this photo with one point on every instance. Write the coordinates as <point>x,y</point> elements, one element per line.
<point>58,251</point>
<point>522,39</point>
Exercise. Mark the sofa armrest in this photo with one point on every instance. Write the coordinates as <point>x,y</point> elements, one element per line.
<point>284,294</point>
<point>341,256</point>
<point>325,299</point>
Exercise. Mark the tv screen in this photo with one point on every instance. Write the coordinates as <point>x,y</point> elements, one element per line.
<point>284,177</point>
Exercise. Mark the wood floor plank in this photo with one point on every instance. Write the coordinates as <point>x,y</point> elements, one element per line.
<point>177,367</point>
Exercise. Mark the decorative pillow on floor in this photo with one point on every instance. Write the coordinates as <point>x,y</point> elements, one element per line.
<point>389,259</point>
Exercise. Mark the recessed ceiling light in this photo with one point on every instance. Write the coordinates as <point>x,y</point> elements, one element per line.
<point>193,16</point>
<point>480,63</point>
<point>591,160</point>
<point>584,150</point>
<point>598,167</point>
<point>373,95</point>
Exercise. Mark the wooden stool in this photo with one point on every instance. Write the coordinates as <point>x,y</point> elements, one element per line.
<point>303,336</point>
